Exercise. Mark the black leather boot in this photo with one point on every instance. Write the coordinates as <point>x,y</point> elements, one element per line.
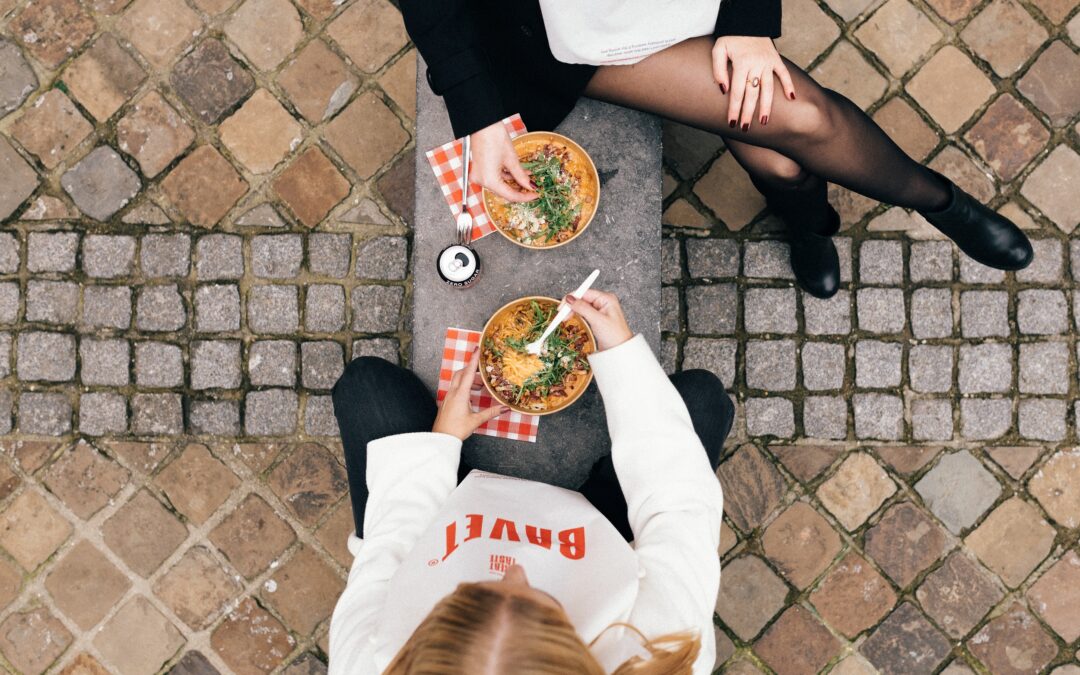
<point>814,259</point>
<point>985,236</point>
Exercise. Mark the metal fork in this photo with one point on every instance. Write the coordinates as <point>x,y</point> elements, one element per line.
<point>464,219</point>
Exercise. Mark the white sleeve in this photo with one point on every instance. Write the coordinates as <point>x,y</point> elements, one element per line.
<point>409,477</point>
<point>674,501</point>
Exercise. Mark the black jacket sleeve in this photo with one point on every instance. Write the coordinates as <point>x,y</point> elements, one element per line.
<point>758,18</point>
<point>449,35</point>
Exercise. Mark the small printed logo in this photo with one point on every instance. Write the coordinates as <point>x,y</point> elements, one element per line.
<point>498,564</point>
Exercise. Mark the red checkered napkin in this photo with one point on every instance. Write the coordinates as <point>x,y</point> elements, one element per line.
<point>513,425</point>
<point>446,163</point>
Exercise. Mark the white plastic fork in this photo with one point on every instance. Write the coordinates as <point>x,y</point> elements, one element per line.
<point>537,346</point>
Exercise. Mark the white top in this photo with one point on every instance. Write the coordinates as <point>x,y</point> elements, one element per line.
<point>423,534</point>
<point>621,32</point>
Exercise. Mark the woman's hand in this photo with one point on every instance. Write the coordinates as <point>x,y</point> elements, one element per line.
<point>494,162</point>
<point>752,58</point>
<point>605,317</point>
<point>456,416</point>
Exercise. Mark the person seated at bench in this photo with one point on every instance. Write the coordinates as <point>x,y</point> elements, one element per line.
<point>710,64</point>
<point>500,575</point>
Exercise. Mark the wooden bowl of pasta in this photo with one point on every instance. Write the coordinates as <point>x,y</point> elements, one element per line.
<point>535,385</point>
<point>569,188</point>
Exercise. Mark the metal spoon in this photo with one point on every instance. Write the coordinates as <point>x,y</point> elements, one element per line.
<point>537,345</point>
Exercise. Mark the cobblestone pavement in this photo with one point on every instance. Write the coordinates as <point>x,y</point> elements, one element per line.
<point>206,209</point>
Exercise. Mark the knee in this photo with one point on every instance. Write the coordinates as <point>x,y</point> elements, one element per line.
<point>361,374</point>
<point>705,390</point>
<point>786,174</point>
<point>811,116</point>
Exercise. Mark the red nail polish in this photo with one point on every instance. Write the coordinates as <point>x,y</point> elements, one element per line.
<point>746,127</point>
<point>731,123</point>
<point>723,89</point>
<point>764,120</point>
<point>792,96</point>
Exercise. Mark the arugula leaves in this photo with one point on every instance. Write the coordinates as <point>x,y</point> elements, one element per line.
<point>554,205</point>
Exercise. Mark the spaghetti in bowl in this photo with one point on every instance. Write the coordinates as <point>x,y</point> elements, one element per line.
<point>569,190</point>
<point>535,385</point>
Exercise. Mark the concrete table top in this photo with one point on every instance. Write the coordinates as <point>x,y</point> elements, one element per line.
<point>623,241</point>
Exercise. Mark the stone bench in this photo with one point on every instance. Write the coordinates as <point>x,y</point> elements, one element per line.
<point>623,241</point>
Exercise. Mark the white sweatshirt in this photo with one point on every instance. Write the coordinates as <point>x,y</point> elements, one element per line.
<point>674,507</point>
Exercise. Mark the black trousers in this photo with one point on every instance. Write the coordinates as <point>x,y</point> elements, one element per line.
<point>375,398</point>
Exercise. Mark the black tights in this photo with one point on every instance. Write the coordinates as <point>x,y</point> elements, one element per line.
<point>374,399</point>
<point>820,136</point>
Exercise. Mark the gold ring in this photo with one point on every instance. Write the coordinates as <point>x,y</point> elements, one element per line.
<point>753,82</point>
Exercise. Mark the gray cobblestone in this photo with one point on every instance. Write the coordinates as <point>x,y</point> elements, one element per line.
<point>319,417</point>
<point>382,258</point>
<point>827,317</point>
<point>1048,264</point>
<point>1074,258</point>
<point>45,413</point>
<point>931,261</point>
<point>669,309</point>
<point>217,308</point>
<point>157,414</point>
<point>958,490</point>
<point>9,301</point>
<point>825,417</point>
<point>105,362</point>
<point>321,364</point>
<point>102,413</point>
<point>1044,368</point>
<point>770,417</point>
<point>271,412</point>
<point>931,419</point>
<point>375,309</point>
<point>877,364</point>
<point>101,183</point>
<point>878,416</point>
<point>712,258</point>
<point>670,260</point>
<point>215,364</point>
<point>51,251</point>
<point>770,364</point>
<point>972,272</point>
<point>9,253</point>
<point>717,356</point>
<point>218,418</point>
<point>47,357</point>
<point>931,313</point>
<point>273,309</point>
<point>712,309</point>
<point>5,354</point>
<point>984,314</point>
<point>52,301</point>
<point>767,260</point>
<point>769,310</point>
<point>1041,312</point>
<point>669,355</point>
<point>985,368</point>
<point>324,308</point>
<point>272,363</point>
<point>930,368</point>
<point>843,252</point>
<point>384,348</point>
<point>159,309</point>
<point>985,419</point>
<point>106,307</point>
<point>158,365</point>
<point>276,256</point>
<point>108,256</point>
<point>880,310</point>
<point>881,261</point>
<point>165,255</point>
<point>329,253</point>
<point>1042,419</point>
<point>7,406</point>
<point>823,365</point>
<point>219,256</point>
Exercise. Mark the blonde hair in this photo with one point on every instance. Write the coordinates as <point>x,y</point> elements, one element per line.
<point>478,630</point>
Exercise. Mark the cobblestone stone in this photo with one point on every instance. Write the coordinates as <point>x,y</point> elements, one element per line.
<point>158,365</point>
<point>881,261</point>
<point>101,183</point>
<point>9,302</point>
<point>215,364</point>
<point>273,309</point>
<point>825,417</point>
<point>1042,419</point>
<point>55,302</point>
<point>51,251</point>
<point>159,309</point>
<point>767,310</point>
<point>217,308</point>
<point>878,416</point>
<point>104,361</point>
<point>276,256</point>
<point>329,254</point>
<point>106,256</point>
<point>219,256</point>
<point>712,258</point>
<point>106,307</point>
<point>375,309</point>
<point>1044,368</point>
<point>984,314</point>
<point>102,413</point>
<point>767,260</point>
<point>930,368</point>
<point>272,363</point>
<point>1041,312</point>
<point>770,417</point>
<point>717,356</point>
<point>46,357</point>
<point>880,310</point>
<point>324,308</point>
<point>877,364</point>
<point>931,261</point>
<point>985,368</point>
<point>382,258</point>
<point>931,419</point>
<point>271,412</point>
<point>321,364</point>
<point>828,317</point>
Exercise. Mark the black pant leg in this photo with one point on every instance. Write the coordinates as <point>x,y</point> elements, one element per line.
<point>712,414</point>
<point>373,399</point>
